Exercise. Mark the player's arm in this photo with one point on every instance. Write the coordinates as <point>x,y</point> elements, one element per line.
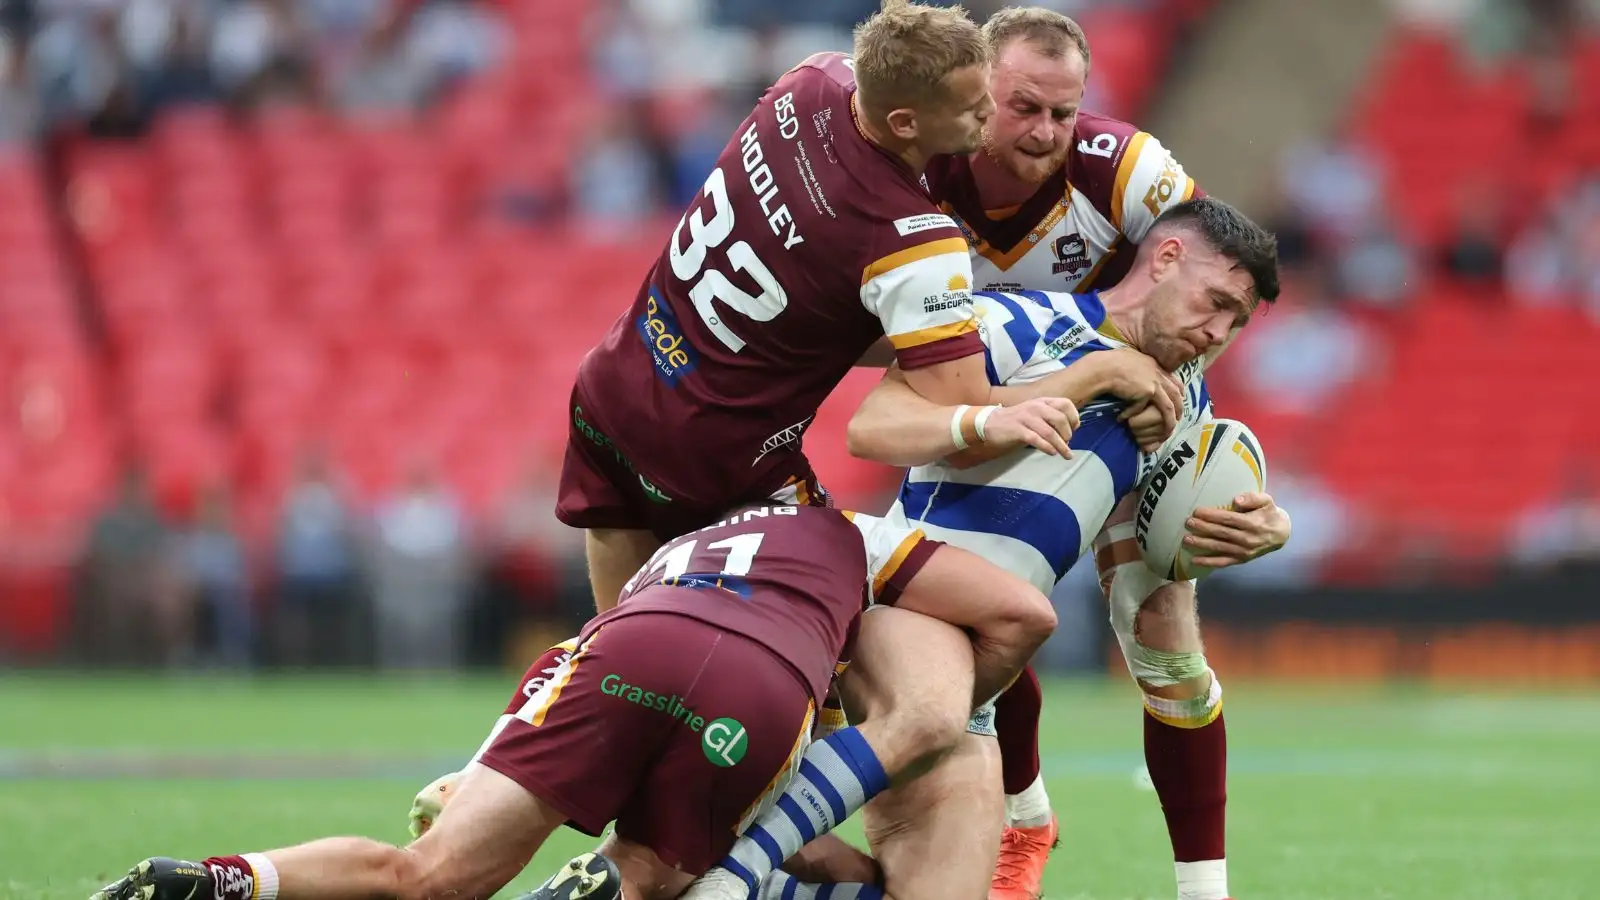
<point>897,426</point>
<point>879,356</point>
<point>920,289</point>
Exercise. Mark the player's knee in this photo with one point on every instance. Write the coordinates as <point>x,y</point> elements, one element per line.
<point>1027,613</point>
<point>1168,621</point>
<point>933,726</point>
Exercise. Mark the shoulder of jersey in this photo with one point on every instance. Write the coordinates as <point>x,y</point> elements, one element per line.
<point>1101,143</point>
<point>833,66</point>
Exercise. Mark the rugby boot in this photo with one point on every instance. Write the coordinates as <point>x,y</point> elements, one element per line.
<point>1019,870</point>
<point>587,876</point>
<point>160,878</point>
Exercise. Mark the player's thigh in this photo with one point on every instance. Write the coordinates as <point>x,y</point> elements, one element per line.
<point>739,734</point>
<point>614,555</point>
<point>586,737</point>
<point>913,668</point>
<point>936,838</point>
<point>486,835</point>
<point>966,590</point>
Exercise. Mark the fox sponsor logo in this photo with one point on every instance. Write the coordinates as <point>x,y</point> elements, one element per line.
<point>658,328</point>
<point>1072,255</point>
<point>613,685</point>
<point>1165,186</point>
<point>1181,455</point>
<point>725,742</point>
<point>231,882</point>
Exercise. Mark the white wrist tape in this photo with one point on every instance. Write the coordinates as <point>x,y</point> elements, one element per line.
<point>982,417</point>
<point>955,428</point>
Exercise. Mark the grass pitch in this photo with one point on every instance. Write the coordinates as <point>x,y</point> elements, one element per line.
<point>1335,794</point>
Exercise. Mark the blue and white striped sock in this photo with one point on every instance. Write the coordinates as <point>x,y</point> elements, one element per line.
<point>780,885</point>
<point>837,776</point>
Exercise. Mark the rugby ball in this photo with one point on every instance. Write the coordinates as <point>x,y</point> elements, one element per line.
<point>1204,466</point>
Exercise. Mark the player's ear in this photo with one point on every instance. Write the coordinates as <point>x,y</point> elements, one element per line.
<point>903,124</point>
<point>1166,256</point>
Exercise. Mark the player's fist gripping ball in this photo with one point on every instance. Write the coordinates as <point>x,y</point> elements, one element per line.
<point>429,803</point>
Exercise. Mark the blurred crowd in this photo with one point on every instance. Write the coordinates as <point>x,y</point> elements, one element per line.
<point>410,578</point>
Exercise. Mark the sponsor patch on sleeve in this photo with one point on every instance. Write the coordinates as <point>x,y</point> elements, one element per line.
<point>924,222</point>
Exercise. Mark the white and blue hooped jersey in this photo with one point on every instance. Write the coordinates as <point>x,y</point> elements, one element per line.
<point>1031,513</point>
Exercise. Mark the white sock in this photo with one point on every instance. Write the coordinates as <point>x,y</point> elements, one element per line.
<point>1031,808</point>
<point>1206,879</point>
<point>266,876</point>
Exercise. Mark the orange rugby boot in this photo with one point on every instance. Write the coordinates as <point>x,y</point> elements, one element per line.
<point>1019,871</point>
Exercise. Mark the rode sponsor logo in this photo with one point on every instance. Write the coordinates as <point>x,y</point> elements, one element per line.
<point>1174,463</point>
<point>658,328</point>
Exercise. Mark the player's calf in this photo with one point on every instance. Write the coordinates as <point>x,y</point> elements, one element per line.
<point>1185,737</point>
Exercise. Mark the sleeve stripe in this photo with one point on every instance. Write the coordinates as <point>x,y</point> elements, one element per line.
<point>934,333</point>
<point>1130,161</point>
<point>895,559</point>
<point>913,254</point>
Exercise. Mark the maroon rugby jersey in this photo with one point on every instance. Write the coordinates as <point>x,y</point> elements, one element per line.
<point>1079,230</point>
<point>792,578</point>
<point>806,244</point>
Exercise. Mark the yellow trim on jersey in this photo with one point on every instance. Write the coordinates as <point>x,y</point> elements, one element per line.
<point>1188,190</point>
<point>1130,161</point>
<point>1085,281</point>
<point>1110,330</point>
<point>848,515</point>
<point>913,254</point>
<point>1004,212</point>
<point>801,741</point>
<point>895,559</point>
<point>556,687</point>
<point>933,333</point>
<point>1006,259</point>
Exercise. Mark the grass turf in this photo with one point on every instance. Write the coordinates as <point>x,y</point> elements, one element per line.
<point>1397,792</point>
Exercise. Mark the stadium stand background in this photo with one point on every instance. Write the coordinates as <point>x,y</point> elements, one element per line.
<point>292,291</point>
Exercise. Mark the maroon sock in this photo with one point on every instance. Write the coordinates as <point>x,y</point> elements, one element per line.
<point>231,878</point>
<point>1189,768</point>
<point>1016,718</point>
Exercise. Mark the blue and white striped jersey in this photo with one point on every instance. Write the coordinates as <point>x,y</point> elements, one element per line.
<point>1029,512</point>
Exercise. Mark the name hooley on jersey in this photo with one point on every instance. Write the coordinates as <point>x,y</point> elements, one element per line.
<point>762,184</point>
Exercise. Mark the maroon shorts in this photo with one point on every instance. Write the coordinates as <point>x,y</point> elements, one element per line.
<point>674,729</point>
<point>604,485</point>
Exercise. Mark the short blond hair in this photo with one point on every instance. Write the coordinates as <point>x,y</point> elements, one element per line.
<point>905,50</point>
<point>1050,32</point>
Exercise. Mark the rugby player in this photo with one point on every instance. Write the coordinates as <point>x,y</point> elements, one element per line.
<point>680,715</point>
<point>1193,283</point>
<point>1059,199</point>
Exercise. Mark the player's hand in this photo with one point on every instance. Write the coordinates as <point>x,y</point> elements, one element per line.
<point>1142,382</point>
<point>1149,425</point>
<point>1043,423</point>
<point>1255,526</point>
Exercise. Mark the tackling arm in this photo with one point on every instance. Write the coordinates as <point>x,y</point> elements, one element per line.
<point>900,426</point>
